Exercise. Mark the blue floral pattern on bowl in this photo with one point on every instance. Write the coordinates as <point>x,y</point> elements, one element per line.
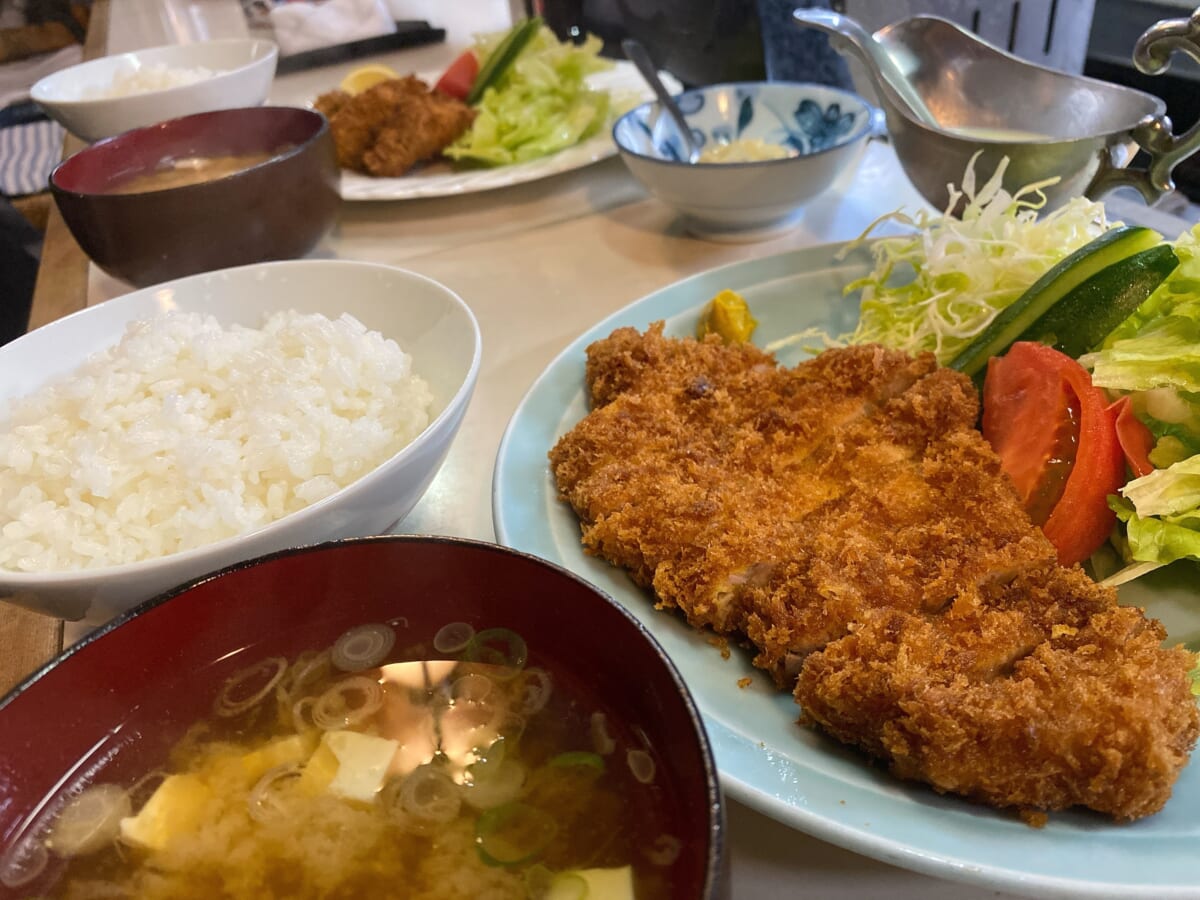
<point>825,127</point>
<point>822,127</point>
<point>807,118</point>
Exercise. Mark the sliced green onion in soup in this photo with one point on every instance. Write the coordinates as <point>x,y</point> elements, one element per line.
<point>348,703</point>
<point>502,648</point>
<point>536,687</point>
<point>665,850</point>
<point>492,785</point>
<point>601,739</point>
<point>514,833</point>
<point>363,647</point>
<point>428,793</point>
<point>641,764</point>
<point>578,759</point>
<point>538,880</point>
<point>23,862</point>
<point>247,688</point>
<point>265,803</point>
<point>453,637</point>
<point>90,821</point>
<point>309,670</point>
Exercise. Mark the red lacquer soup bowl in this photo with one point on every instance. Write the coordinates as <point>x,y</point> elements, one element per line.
<point>229,648</point>
<point>264,186</point>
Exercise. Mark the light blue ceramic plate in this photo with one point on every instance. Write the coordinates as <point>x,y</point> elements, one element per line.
<point>796,775</point>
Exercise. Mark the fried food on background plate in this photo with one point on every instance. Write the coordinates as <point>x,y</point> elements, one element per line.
<point>846,517</point>
<point>389,128</point>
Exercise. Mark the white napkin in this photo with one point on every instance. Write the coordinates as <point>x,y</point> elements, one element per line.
<point>301,26</point>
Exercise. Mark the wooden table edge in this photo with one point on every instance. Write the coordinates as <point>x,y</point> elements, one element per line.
<point>28,640</point>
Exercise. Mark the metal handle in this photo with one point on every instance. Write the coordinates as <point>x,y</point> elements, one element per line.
<point>848,37</point>
<point>1152,56</point>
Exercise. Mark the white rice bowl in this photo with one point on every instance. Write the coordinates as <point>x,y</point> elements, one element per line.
<point>107,96</point>
<point>168,483</point>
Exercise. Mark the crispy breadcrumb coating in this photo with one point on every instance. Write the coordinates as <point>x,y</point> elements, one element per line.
<point>390,127</point>
<point>848,519</point>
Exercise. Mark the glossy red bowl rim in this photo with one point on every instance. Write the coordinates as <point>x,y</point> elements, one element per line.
<point>716,871</point>
<point>106,145</point>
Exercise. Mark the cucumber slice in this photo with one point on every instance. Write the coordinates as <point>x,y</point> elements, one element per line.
<point>502,57</point>
<point>1068,274</point>
<point>1084,318</point>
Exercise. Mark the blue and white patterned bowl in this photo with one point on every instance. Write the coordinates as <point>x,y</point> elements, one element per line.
<point>823,126</point>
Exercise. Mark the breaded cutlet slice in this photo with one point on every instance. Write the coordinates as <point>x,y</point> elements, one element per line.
<point>782,503</point>
<point>391,126</point>
<point>357,119</point>
<point>1039,693</point>
<point>906,532</point>
<point>683,431</point>
<point>424,125</point>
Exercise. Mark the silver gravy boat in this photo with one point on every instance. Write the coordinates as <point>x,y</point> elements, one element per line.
<point>1049,124</point>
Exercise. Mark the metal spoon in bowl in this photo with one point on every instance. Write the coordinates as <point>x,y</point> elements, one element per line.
<point>638,55</point>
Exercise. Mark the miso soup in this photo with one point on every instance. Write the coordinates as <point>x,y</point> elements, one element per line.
<point>465,765</point>
<point>190,170</point>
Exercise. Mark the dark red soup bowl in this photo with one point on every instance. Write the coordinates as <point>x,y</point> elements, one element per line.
<point>418,683</point>
<point>276,208</point>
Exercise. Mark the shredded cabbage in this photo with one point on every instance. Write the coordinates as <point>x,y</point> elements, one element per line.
<point>540,105</point>
<point>939,287</point>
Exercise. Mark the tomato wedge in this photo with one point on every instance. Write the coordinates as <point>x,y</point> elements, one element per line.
<point>1057,440</point>
<point>456,81</point>
<point>1135,438</point>
<point>1031,419</point>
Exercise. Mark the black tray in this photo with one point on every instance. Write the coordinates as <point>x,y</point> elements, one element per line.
<point>413,33</point>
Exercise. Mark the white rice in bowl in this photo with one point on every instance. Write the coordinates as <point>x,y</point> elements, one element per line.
<point>144,79</point>
<point>187,432</point>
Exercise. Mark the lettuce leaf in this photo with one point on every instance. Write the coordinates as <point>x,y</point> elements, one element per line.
<point>1154,357</point>
<point>1164,353</point>
<point>539,106</point>
<point>1158,539</point>
<point>1172,491</point>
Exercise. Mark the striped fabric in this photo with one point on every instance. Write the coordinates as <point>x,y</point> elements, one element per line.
<point>28,153</point>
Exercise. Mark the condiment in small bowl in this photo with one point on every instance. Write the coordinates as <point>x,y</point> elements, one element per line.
<point>202,192</point>
<point>765,149</point>
<point>453,716</point>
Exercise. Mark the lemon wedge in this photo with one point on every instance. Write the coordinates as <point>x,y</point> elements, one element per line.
<point>365,77</point>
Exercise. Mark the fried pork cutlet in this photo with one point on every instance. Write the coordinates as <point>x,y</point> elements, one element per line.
<point>1040,693</point>
<point>392,126</point>
<point>845,516</point>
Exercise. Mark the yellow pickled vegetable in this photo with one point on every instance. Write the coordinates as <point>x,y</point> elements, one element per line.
<point>728,315</point>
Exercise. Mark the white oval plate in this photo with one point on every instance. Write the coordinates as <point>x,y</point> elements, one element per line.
<point>443,180</point>
<point>797,775</point>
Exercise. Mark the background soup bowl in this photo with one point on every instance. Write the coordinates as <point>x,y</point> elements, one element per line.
<point>277,209</point>
<point>427,320</point>
<point>825,127</point>
<point>109,708</point>
<point>241,74</point>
